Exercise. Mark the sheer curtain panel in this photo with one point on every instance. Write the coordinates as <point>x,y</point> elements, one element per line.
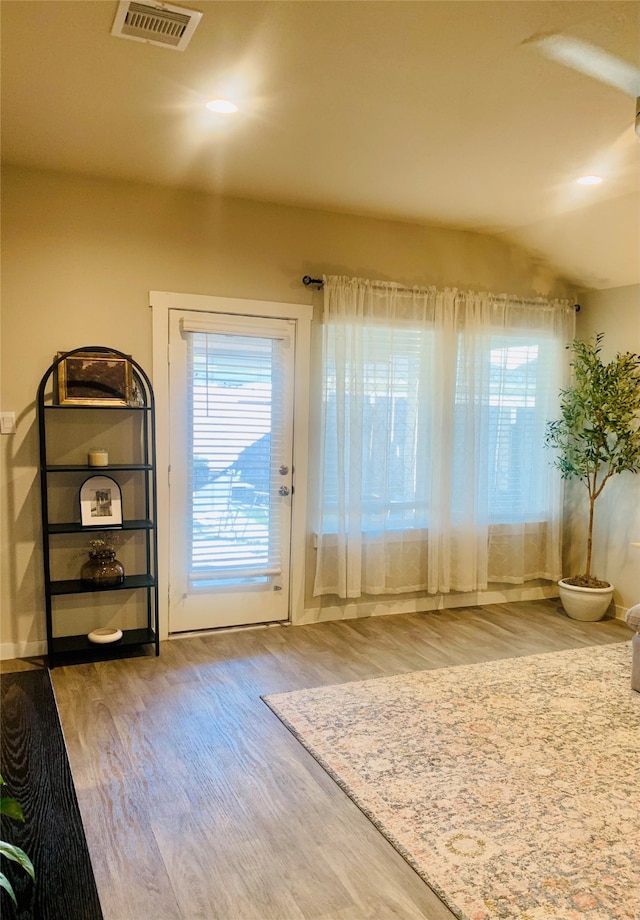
<point>433,475</point>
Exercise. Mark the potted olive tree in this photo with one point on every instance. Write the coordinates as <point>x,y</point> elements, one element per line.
<point>597,437</point>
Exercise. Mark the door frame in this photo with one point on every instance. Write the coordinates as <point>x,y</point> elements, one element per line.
<point>161,303</point>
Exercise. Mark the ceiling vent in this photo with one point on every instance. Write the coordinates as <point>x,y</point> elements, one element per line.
<point>156,23</point>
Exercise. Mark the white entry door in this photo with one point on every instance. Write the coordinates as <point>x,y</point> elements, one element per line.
<point>231,383</point>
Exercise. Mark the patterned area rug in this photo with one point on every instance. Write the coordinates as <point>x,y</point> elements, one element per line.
<point>511,787</point>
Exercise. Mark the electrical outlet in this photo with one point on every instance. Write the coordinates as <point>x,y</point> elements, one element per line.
<point>7,423</point>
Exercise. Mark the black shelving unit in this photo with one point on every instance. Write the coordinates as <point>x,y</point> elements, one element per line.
<point>139,409</point>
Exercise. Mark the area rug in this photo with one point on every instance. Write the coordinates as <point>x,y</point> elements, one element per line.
<point>511,787</point>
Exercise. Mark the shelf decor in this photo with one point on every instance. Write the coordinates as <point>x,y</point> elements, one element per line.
<point>86,378</point>
<point>104,635</point>
<point>86,393</point>
<point>100,502</point>
<point>102,569</point>
<point>97,456</point>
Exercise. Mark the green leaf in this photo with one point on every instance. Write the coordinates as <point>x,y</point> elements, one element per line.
<point>6,884</point>
<point>11,808</point>
<point>19,856</point>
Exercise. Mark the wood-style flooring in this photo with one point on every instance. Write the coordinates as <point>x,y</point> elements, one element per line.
<point>198,803</point>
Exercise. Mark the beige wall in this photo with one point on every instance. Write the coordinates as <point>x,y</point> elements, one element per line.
<point>616,312</point>
<point>80,255</point>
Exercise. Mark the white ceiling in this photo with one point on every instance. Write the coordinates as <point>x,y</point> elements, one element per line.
<point>430,112</point>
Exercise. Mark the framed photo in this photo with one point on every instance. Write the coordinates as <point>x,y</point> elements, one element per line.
<point>100,502</point>
<point>93,379</point>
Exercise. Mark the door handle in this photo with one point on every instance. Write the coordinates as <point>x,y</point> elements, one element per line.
<point>283,490</point>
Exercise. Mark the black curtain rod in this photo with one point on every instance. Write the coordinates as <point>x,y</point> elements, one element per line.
<point>308,280</point>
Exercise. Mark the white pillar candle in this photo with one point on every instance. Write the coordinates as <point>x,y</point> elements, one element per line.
<point>98,457</point>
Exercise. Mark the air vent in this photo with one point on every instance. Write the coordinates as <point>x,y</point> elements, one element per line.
<point>156,23</point>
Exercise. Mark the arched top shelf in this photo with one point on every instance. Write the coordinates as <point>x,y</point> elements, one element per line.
<point>95,377</point>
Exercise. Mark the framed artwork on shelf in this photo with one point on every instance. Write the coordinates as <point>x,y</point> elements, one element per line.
<point>94,379</point>
<point>100,502</point>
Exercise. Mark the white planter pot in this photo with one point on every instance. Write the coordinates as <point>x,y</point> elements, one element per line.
<point>587,604</point>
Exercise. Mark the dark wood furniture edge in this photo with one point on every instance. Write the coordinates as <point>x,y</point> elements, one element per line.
<point>35,767</point>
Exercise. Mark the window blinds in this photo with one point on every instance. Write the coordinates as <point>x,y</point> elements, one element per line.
<point>235,410</point>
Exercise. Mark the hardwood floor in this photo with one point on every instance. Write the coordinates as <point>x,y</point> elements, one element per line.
<point>198,803</point>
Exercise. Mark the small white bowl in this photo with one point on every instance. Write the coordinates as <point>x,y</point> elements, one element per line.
<point>104,635</point>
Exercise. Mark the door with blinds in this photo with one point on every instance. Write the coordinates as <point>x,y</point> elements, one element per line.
<point>230,482</point>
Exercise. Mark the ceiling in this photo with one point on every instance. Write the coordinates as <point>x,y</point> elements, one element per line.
<point>429,112</point>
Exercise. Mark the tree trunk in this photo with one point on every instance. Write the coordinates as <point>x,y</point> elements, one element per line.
<point>592,503</point>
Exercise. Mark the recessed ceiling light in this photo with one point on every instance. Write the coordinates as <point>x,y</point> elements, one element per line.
<point>589,180</point>
<point>222,106</point>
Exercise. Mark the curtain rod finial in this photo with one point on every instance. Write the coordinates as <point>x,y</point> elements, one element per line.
<point>308,280</point>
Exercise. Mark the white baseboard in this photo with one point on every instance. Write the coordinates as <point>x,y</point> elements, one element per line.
<point>22,649</point>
